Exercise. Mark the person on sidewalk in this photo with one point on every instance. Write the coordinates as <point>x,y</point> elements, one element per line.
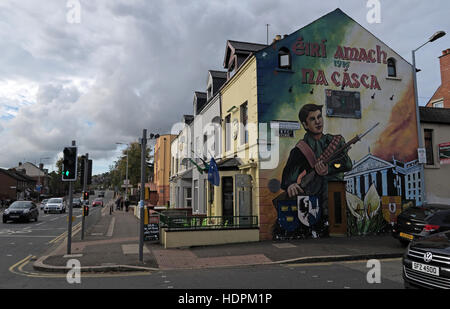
<point>127,204</point>
<point>118,202</point>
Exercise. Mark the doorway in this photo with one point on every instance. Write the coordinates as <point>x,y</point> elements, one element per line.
<point>337,208</point>
<point>227,198</point>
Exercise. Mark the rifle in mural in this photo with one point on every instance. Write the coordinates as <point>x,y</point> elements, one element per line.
<point>307,181</point>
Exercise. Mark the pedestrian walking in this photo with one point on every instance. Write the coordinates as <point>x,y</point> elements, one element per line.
<point>127,204</point>
<point>118,202</point>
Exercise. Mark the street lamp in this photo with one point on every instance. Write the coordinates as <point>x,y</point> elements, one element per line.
<point>39,176</point>
<point>126,181</point>
<point>433,38</point>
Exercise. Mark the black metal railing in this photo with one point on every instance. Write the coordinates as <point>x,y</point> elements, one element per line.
<point>207,223</point>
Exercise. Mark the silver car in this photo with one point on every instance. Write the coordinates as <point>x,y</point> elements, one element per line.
<point>42,204</point>
<point>55,205</point>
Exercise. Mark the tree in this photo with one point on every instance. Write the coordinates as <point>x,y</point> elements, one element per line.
<point>118,170</point>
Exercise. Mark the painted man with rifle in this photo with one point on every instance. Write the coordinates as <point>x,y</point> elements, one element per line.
<point>314,158</point>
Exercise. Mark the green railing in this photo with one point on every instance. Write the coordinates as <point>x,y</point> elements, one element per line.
<point>207,223</point>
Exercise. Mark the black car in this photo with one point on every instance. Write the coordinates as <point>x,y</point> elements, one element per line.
<point>426,263</point>
<point>76,202</point>
<point>21,210</point>
<point>416,222</point>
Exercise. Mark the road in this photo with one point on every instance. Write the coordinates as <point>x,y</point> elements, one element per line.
<point>21,240</point>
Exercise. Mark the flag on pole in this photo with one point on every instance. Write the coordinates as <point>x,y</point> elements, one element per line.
<point>213,173</point>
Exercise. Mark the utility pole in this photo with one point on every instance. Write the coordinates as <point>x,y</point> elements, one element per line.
<point>142,194</point>
<point>267,25</point>
<point>85,177</point>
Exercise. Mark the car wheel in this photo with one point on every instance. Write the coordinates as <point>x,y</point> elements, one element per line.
<point>4,220</point>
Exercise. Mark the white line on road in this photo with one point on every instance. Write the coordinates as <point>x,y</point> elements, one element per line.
<point>53,219</point>
<point>111,227</point>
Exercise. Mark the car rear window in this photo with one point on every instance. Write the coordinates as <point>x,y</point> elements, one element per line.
<point>55,200</point>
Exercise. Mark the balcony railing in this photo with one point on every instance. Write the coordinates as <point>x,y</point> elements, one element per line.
<point>176,223</point>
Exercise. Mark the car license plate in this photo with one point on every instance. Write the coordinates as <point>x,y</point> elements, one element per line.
<point>14,216</point>
<point>428,269</point>
<point>407,236</point>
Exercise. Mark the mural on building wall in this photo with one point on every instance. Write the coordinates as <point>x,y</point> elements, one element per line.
<point>336,86</point>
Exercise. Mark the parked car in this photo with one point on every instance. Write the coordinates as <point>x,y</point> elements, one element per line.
<point>42,204</point>
<point>55,205</point>
<point>97,202</point>
<point>426,262</point>
<point>76,202</point>
<point>416,222</point>
<point>21,210</point>
<point>101,194</point>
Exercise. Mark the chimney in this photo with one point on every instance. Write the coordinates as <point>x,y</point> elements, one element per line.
<point>445,67</point>
<point>41,166</point>
<point>277,38</point>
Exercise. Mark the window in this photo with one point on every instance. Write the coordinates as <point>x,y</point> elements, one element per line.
<point>429,146</point>
<point>205,146</point>
<point>392,70</point>
<point>244,122</point>
<point>231,70</point>
<point>284,58</point>
<point>188,197</point>
<point>228,133</point>
<point>439,104</point>
<point>209,92</point>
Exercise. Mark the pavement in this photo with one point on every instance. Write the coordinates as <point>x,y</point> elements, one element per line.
<point>111,245</point>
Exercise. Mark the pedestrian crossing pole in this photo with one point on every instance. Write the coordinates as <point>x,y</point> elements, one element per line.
<point>69,228</point>
<point>85,177</point>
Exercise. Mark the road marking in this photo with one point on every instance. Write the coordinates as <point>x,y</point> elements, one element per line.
<point>111,227</point>
<point>54,219</point>
<point>21,264</point>
<point>74,229</point>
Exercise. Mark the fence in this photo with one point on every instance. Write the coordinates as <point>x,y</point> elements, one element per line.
<point>175,223</point>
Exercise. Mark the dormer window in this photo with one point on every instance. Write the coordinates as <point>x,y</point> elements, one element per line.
<point>209,92</point>
<point>284,58</point>
<point>231,70</point>
<point>392,69</point>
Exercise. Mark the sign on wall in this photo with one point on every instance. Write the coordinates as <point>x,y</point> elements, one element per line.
<point>444,153</point>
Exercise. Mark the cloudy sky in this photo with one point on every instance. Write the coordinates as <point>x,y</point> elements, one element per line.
<point>101,76</point>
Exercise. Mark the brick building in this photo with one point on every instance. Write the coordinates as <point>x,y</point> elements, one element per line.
<point>441,97</point>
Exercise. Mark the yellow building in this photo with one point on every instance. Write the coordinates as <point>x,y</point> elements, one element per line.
<point>238,192</point>
<point>162,167</point>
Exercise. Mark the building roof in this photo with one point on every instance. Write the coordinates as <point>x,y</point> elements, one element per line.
<point>246,46</point>
<point>17,175</point>
<point>237,47</point>
<point>218,74</point>
<point>434,115</point>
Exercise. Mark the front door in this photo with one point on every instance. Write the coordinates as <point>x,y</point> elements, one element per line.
<point>337,208</point>
<point>227,198</point>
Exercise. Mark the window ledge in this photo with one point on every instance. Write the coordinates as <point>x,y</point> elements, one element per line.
<point>284,70</point>
<point>393,78</point>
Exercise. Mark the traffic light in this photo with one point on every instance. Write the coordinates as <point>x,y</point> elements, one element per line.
<point>82,169</point>
<point>86,196</point>
<point>85,210</point>
<point>69,171</point>
<point>89,177</point>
